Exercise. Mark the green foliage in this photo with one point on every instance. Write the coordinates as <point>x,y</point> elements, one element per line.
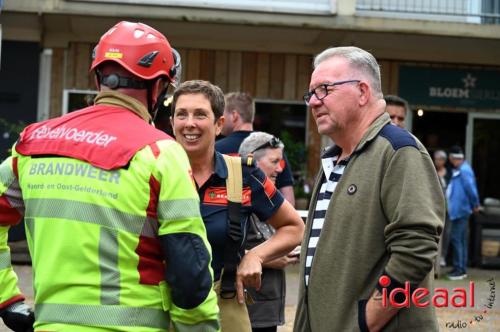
<point>299,189</point>
<point>12,130</point>
<point>296,153</point>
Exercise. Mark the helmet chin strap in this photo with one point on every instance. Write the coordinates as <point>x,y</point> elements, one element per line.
<point>149,97</point>
<point>159,100</point>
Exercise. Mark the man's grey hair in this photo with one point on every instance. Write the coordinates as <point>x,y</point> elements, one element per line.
<point>359,59</point>
<point>253,141</point>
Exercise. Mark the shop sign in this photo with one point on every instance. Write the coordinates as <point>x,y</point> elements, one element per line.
<point>450,87</point>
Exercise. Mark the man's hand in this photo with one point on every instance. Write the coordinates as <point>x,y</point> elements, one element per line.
<point>377,316</point>
<point>18,317</point>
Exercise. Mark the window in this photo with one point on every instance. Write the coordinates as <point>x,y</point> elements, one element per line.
<point>77,99</point>
<point>275,117</point>
<point>318,7</point>
<point>288,121</point>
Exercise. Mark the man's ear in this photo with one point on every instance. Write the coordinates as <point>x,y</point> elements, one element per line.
<point>96,81</point>
<point>365,93</point>
<point>235,116</point>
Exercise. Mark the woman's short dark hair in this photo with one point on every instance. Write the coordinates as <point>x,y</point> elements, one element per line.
<point>213,93</point>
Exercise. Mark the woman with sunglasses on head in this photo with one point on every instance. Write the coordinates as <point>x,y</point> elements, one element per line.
<point>269,309</point>
<point>196,120</point>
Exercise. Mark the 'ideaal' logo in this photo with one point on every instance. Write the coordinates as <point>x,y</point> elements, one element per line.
<point>441,297</point>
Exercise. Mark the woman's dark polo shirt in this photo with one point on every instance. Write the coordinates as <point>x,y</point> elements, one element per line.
<point>259,196</point>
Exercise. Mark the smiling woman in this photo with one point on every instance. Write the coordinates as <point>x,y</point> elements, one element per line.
<point>195,125</point>
<point>197,119</point>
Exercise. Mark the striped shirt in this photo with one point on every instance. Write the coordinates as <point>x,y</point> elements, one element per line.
<point>333,172</point>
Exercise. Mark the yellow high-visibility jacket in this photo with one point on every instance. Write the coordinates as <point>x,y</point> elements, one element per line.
<point>9,292</point>
<point>113,225</point>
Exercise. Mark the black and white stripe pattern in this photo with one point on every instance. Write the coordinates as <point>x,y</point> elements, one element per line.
<point>333,172</point>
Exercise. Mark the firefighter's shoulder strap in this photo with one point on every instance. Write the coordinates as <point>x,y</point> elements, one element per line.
<point>234,240</point>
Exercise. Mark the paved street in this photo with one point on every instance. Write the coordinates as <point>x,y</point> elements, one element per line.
<point>490,320</point>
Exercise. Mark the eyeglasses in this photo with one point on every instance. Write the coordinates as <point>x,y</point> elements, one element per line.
<point>272,143</point>
<point>321,91</point>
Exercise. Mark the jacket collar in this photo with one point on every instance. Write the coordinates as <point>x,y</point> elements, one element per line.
<point>373,131</point>
<point>331,152</point>
<point>220,166</point>
<point>116,98</point>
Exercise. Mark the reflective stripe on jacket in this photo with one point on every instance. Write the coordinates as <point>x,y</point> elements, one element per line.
<point>9,292</point>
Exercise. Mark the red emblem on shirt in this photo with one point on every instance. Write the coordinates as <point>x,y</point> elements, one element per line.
<point>218,196</point>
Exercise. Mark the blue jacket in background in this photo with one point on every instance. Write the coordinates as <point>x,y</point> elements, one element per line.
<point>462,192</point>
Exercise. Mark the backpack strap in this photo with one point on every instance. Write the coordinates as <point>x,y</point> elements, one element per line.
<point>234,186</point>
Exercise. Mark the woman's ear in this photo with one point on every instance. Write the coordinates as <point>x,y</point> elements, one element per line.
<point>219,124</point>
<point>172,121</point>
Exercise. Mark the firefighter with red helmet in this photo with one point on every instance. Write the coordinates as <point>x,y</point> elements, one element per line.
<point>112,216</point>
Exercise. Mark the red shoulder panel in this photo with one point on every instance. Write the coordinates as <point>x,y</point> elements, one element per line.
<point>104,136</point>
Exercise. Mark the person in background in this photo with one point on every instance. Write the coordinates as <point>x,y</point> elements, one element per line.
<point>463,200</point>
<point>13,311</point>
<point>397,108</point>
<point>239,114</point>
<point>444,174</point>
<point>197,118</point>
<point>377,207</point>
<point>112,217</point>
<point>268,311</point>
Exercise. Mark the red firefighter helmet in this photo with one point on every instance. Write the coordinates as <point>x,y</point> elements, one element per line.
<point>140,49</point>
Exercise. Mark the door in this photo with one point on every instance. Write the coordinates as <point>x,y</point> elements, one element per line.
<point>439,130</point>
<point>483,152</point>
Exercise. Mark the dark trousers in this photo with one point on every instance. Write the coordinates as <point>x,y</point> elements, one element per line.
<point>265,329</point>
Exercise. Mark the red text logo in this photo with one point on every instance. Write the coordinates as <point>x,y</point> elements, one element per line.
<point>442,297</point>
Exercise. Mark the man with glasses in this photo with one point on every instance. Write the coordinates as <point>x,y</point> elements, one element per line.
<point>377,208</point>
